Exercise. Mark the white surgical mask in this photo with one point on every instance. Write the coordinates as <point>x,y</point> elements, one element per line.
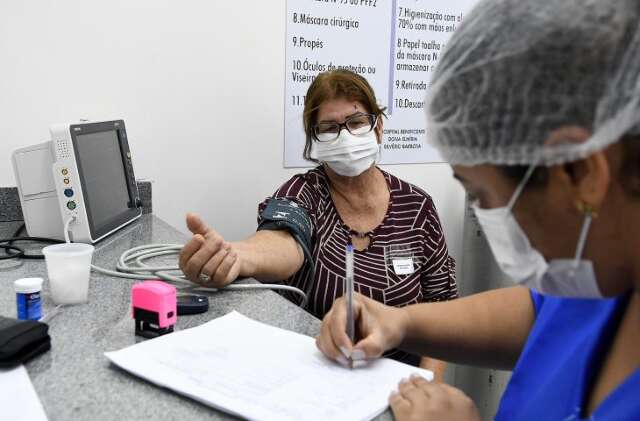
<point>525,265</point>
<point>349,155</point>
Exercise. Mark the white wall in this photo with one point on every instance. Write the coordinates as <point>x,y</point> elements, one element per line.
<point>199,83</point>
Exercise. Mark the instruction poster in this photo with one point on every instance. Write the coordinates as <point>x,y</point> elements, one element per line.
<point>394,44</point>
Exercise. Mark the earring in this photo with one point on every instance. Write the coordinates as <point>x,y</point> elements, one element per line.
<point>586,209</point>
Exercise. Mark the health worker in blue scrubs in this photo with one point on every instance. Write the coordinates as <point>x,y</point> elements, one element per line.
<point>536,106</point>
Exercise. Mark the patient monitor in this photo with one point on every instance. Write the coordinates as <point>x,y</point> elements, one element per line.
<point>84,174</point>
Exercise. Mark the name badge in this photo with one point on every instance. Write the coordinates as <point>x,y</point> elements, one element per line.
<point>403,266</point>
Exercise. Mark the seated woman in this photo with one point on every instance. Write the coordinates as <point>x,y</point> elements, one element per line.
<point>348,199</point>
<point>536,105</point>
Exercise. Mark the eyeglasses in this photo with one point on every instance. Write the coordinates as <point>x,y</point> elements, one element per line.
<point>358,124</point>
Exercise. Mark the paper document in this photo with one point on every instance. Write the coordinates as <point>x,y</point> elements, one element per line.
<point>261,372</point>
<point>18,398</point>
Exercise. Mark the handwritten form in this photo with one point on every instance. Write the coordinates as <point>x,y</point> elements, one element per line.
<point>261,372</point>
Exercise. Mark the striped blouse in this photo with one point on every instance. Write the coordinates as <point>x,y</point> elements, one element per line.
<point>406,262</point>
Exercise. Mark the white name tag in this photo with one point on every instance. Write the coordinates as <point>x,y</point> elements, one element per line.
<point>403,266</point>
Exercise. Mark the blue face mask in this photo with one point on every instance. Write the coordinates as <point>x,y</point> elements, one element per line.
<point>525,265</point>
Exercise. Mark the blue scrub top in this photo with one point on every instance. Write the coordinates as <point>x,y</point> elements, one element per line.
<point>564,350</point>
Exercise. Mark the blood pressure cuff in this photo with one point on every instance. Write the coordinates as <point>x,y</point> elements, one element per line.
<point>21,340</point>
<point>284,214</point>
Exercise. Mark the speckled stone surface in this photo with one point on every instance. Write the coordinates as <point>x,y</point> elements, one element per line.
<point>144,190</point>
<point>76,382</point>
<point>10,209</point>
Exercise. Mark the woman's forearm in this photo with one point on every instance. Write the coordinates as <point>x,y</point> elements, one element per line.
<point>269,255</point>
<point>487,329</point>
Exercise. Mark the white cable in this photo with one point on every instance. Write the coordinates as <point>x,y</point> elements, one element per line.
<point>143,272</point>
<point>66,228</point>
<point>136,256</point>
<point>50,315</point>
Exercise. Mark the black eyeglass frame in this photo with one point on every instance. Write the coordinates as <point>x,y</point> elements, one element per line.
<point>373,119</point>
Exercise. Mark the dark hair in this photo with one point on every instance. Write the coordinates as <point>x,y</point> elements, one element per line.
<point>517,172</point>
<point>335,84</point>
<point>629,171</point>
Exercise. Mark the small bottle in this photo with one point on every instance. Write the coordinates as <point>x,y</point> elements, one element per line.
<point>28,299</point>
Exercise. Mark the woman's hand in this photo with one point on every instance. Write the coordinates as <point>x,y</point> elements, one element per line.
<point>207,259</point>
<point>379,328</point>
<point>418,399</point>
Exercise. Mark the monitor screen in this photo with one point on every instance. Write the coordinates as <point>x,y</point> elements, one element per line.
<point>103,177</point>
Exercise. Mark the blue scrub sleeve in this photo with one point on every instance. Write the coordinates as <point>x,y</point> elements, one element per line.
<point>538,300</point>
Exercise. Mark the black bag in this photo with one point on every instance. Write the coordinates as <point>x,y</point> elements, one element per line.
<point>21,340</point>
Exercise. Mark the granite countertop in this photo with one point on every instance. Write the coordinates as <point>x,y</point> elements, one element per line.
<point>76,382</point>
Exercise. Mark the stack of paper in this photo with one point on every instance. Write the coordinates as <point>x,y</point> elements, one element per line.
<point>262,372</point>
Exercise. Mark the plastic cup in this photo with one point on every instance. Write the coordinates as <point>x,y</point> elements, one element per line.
<point>69,266</point>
